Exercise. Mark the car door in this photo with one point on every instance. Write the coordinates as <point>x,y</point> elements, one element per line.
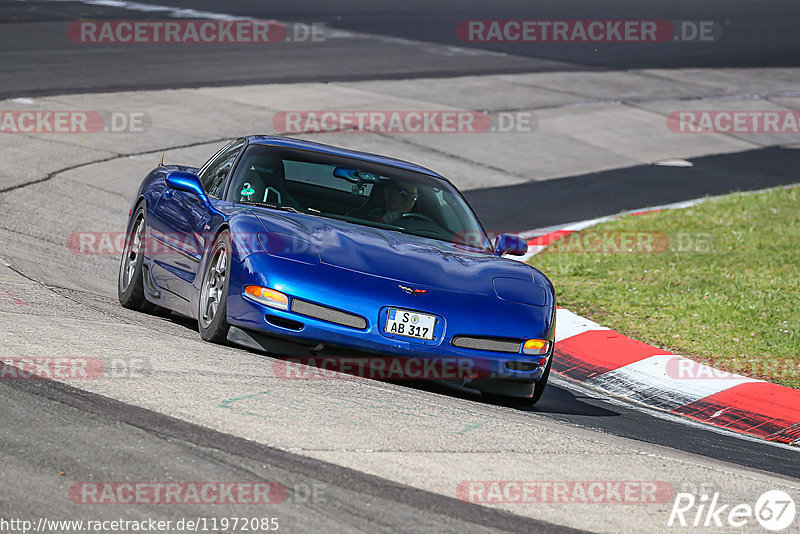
<point>181,222</point>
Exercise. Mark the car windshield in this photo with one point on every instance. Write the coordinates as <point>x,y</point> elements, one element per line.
<point>355,191</point>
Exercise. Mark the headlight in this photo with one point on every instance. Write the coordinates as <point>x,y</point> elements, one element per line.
<point>267,296</point>
<point>536,347</point>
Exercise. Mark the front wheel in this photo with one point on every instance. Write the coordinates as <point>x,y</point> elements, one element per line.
<point>541,384</point>
<point>538,391</point>
<point>212,320</point>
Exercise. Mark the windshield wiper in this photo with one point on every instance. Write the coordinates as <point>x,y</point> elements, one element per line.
<point>269,205</point>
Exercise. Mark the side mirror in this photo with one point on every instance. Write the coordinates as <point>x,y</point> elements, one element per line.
<point>186,181</point>
<point>510,244</point>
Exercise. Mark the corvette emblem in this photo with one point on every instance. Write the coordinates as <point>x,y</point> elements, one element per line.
<point>412,291</point>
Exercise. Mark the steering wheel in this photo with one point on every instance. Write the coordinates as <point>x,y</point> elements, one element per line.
<point>418,216</point>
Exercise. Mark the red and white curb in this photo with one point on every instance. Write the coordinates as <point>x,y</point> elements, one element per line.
<point>614,363</point>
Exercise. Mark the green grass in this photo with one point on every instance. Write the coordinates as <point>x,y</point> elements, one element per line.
<point>722,287</point>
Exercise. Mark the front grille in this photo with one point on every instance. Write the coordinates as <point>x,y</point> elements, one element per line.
<point>323,313</point>
<point>486,343</point>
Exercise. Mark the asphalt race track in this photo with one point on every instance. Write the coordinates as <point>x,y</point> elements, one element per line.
<point>380,40</point>
<point>359,455</point>
<point>604,193</point>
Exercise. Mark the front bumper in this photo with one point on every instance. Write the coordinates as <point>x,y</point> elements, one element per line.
<point>284,333</point>
<point>459,313</point>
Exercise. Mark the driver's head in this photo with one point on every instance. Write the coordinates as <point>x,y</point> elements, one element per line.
<point>400,196</point>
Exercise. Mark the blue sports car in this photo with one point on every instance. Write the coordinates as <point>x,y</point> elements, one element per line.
<point>308,251</point>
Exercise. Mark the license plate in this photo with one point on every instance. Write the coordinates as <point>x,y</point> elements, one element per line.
<point>410,324</point>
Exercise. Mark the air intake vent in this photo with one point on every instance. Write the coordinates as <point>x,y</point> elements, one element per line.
<point>323,313</point>
<point>487,343</point>
<point>523,367</point>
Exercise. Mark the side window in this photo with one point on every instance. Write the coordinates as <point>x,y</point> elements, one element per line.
<point>213,174</point>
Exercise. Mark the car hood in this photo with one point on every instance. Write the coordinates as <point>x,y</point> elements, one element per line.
<point>418,261</point>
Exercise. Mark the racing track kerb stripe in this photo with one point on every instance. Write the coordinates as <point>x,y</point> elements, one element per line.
<point>759,408</point>
<point>596,352</point>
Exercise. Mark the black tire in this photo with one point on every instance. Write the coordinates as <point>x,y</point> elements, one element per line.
<point>538,391</point>
<point>212,317</point>
<point>130,283</point>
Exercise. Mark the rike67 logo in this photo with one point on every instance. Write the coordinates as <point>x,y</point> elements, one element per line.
<point>774,510</point>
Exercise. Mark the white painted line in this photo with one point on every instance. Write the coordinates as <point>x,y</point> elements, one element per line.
<point>570,324</point>
<point>169,10</point>
<point>673,163</point>
<point>666,381</point>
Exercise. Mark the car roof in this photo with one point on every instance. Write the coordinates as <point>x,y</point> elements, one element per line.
<point>289,142</point>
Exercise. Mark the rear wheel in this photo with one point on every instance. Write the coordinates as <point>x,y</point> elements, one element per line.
<point>212,318</point>
<point>130,287</point>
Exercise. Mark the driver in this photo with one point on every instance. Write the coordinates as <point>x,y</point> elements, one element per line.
<point>398,199</point>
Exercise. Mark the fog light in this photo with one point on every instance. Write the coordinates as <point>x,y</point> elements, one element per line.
<point>267,296</point>
<point>536,347</point>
